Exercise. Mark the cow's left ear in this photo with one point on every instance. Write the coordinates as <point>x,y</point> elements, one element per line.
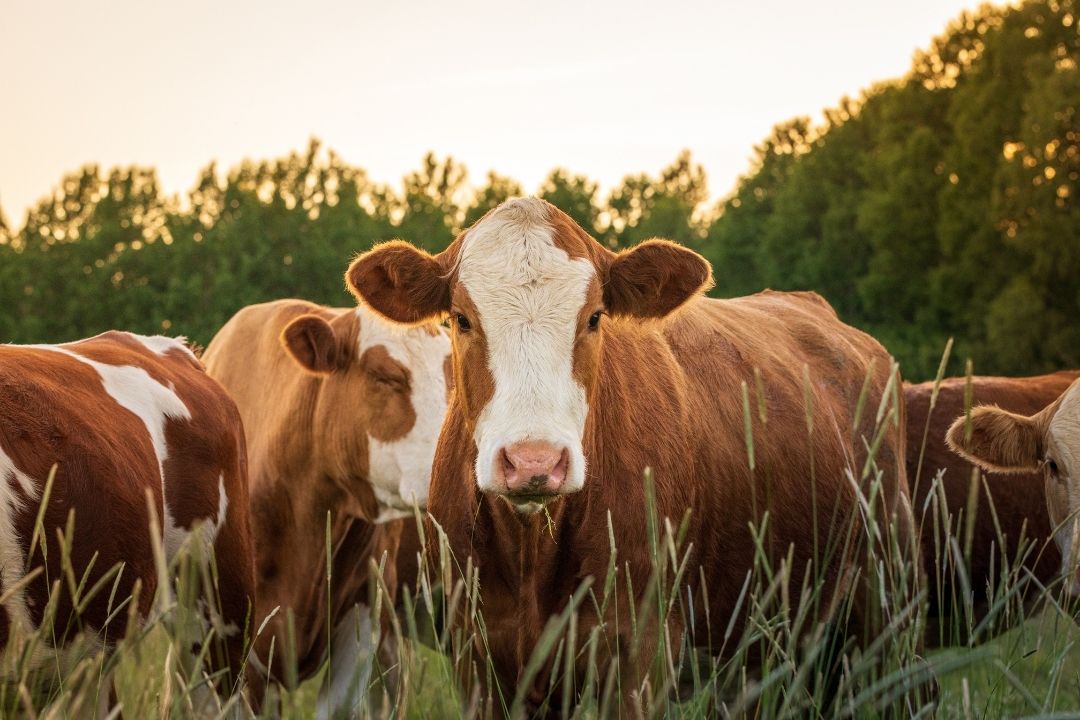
<point>653,279</point>
<point>997,440</point>
<point>312,343</point>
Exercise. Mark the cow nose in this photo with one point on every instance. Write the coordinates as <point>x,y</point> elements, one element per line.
<point>534,467</point>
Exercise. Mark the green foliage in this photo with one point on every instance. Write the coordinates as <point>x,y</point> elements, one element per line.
<point>943,204</point>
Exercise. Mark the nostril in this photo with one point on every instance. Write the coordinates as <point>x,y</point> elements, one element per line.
<point>507,463</point>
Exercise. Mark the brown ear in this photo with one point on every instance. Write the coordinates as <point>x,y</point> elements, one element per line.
<point>654,278</point>
<point>997,440</point>
<point>400,282</point>
<point>311,342</point>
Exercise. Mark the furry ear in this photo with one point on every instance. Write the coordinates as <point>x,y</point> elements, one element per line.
<point>400,282</point>
<point>311,342</point>
<point>653,279</point>
<point>997,440</point>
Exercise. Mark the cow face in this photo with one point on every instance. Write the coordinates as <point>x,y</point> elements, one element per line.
<point>1000,441</point>
<point>526,291</point>
<point>383,395</point>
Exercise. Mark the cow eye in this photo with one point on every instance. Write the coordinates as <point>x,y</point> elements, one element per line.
<point>594,320</point>
<point>1052,466</point>
<point>463,323</point>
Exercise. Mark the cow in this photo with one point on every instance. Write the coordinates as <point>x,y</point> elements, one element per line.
<point>341,411</point>
<point>133,432</point>
<point>577,368</point>
<point>1014,507</point>
<point>1041,445</point>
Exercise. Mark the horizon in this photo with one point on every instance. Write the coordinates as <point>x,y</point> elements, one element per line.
<point>168,116</point>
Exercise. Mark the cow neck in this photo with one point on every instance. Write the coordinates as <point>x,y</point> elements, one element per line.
<point>304,492</point>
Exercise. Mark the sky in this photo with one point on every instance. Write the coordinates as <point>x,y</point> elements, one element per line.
<point>601,87</point>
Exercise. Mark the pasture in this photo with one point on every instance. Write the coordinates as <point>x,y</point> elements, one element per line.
<point>583,446</point>
<point>1018,659</point>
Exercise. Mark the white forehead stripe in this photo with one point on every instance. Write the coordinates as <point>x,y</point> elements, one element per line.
<point>514,247</point>
<point>528,293</point>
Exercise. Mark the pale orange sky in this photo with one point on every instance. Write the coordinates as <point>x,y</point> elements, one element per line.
<point>604,88</point>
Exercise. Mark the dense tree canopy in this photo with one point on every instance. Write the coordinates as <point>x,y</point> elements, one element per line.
<point>942,204</point>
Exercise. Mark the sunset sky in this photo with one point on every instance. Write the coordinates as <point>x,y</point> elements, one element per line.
<point>604,88</point>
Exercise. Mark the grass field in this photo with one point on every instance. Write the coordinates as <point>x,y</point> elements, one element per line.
<point>773,665</point>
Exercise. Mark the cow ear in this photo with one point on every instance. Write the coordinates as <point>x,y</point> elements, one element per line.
<point>311,342</point>
<point>400,282</point>
<point>997,440</point>
<point>653,279</point>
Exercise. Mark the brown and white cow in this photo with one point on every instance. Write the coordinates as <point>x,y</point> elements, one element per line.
<point>1018,503</point>
<point>342,411</point>
<point>576,368</point>
<point>1045,442</point>
<point>120,416</point>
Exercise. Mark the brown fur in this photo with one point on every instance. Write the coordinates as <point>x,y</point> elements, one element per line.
<point>652,279</point>
<point>398,265</point>
<point>1019,501</point>
<point>54,410</point>
<point>307,434</point>
<point>665,394</point>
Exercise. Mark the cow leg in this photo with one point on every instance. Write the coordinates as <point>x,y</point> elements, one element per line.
<point>352,654</point>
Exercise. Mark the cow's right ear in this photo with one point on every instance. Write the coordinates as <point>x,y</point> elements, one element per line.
<point>400,282</point>
<point>997,440</point>
<point>311,342</point>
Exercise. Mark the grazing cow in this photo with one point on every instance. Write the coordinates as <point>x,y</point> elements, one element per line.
<point>576,368</point>
<point>342,411</point>
<point>1046,443</point>
<point>1019,504</point>
<point>121,417</point>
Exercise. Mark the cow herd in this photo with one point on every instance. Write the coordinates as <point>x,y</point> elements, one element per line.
<point>542,398</point>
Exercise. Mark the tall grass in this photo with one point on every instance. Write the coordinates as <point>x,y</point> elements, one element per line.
<point>787,651</point>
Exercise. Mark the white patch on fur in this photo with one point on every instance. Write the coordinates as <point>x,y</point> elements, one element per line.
<point>400,471</point>
<point>133,389</point>
<point>161,345</point>
<point>528,293</point>
<point>1065,433</point>
<point>212,526</point>
<point>352,651</point>
<point>12,551</point>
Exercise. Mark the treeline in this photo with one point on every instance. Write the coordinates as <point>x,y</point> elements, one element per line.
<point>943,204</point>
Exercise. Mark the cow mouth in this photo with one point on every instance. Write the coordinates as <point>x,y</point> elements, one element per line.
<point>528,503</point>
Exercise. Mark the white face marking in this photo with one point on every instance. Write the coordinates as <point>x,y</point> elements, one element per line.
<point>161,345</point>
<point>528,294</point>
<point>1064,436</point>
<point>400,471</point>
<point>351,652</point>
<point>12,552</point>
<point>133,389</point>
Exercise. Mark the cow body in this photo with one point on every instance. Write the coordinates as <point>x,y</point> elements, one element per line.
<point>341,413</point>
<point>121,416</point>
<point>1019,502</point>
<point>577,369</point>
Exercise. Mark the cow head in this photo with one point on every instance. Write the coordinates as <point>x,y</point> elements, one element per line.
<point>526,291</point>
<point>1049,440</point>
<point>382,397</point>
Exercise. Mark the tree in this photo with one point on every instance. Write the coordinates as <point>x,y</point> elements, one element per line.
<point>498,189</point>
<point>432,205</point>
<point>575,195</point>
<point>643,207</point>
